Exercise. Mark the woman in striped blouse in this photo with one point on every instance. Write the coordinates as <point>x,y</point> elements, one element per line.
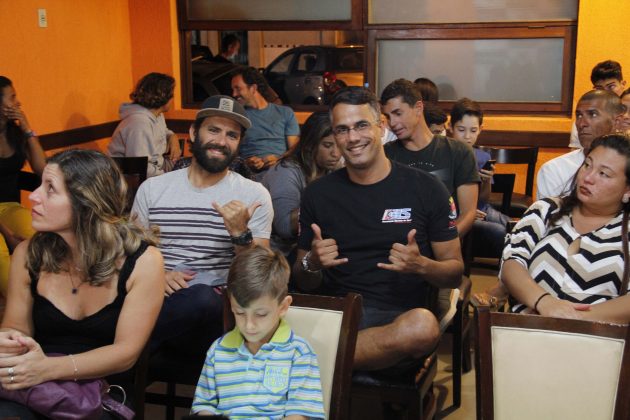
<point>566,257</point>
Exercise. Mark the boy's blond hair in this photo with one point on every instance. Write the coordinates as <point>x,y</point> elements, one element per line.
<point>258,272</point>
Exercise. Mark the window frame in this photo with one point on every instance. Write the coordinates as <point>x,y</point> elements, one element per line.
<point>566,30</point>
<point>186,27</point>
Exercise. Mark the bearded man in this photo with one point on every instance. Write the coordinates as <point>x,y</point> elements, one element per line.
<point>205,214</point>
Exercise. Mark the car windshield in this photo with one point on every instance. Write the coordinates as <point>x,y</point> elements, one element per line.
<point>348,59</point>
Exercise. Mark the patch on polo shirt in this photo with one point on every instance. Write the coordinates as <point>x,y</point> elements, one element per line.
<point>397,216</point>
<point>276,377</point>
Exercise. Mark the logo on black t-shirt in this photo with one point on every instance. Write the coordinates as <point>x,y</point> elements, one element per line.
<point>397,216</point>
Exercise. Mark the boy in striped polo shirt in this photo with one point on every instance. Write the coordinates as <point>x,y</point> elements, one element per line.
<point>260,369</point>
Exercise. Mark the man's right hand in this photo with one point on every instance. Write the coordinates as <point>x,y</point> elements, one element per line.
<point>176,280</point>
<point>324,252</point>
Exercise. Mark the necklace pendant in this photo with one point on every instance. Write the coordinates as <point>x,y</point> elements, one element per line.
<point>74,290</point>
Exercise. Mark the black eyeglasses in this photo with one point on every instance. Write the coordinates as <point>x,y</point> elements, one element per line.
<point>361,127</point>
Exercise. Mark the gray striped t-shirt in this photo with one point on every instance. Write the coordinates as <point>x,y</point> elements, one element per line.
<point>192,233</point>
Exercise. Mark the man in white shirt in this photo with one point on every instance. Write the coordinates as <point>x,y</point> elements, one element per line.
<point>596,114</point>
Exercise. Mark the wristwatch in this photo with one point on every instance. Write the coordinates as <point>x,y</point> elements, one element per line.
<point>305,264</point>
<point>243,239</point>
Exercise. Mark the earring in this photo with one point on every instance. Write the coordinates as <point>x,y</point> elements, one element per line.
<point>625,199</point>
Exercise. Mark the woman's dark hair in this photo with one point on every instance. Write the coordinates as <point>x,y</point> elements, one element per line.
<point>153,90</point>
<point>617,142</point>
<point>103,230</point>
<point>315,128</point>
<point>15,135</point>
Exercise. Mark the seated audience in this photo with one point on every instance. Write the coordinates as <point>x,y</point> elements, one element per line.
<point>276,371</point>
<point>606,75</point>
<point>490,225</point>
<point>567,256</point>
<point>597,113</point>
<point>315,156</point>
<point>89,284</point>
<point>143,131</point>
<point>206,214</point>
<point>18,144</point>
<point>369,228</point>
<point>274,131</point>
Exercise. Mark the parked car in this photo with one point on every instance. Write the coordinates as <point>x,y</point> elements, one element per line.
<point>310,75</point>
<point>211,78</point>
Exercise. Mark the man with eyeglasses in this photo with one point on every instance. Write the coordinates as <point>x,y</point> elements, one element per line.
<point>383,230</point>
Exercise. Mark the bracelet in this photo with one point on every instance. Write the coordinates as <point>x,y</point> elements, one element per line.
<point>74,363</point>
<point>29,134</point>
<point>539,299</point>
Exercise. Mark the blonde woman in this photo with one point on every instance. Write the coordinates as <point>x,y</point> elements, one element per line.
<point>89,284</point>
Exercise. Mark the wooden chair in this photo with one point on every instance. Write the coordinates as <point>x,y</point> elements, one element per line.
<point>330,325</point>
<point>504,185</point>
<point>372,394</point>
<point>460,325</point>
<point>135,171</point>
<point>529,367</point>
<point>520,155</point>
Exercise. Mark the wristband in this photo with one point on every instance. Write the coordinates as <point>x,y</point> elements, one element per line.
<point>539,299</point>
<point>29,134</point>
<point>243,239</point>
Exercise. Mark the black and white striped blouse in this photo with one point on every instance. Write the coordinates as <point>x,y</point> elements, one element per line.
<point>584,268</point>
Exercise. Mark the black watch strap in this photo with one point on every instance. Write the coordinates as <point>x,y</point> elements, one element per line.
<point>243,239</point>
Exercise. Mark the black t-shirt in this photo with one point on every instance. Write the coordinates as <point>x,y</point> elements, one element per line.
<point>366,220</point>
<point>451,161</point>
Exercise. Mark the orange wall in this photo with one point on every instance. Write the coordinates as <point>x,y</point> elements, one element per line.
<point>76,71</point>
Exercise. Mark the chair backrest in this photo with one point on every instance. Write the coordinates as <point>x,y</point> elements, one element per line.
<point>504,184</point>
<point>330,325</point>
<point>518,155</point>
<point>135,171</point>
<point>530,366</point>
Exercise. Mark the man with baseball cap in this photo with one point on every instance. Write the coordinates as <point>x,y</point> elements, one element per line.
<point>206,214</point>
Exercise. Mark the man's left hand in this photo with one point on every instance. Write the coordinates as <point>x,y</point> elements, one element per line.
<point>236,215</point>
<point>405,258</point>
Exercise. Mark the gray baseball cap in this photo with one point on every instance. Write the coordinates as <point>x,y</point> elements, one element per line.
<point>224,106</point>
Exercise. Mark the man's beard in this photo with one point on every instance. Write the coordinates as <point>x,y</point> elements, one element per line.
<point>211,164</point>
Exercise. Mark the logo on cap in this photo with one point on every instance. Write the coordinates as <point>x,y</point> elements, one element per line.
<point>226,104</point>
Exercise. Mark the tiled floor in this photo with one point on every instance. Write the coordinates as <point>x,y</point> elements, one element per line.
<point>481,279</point>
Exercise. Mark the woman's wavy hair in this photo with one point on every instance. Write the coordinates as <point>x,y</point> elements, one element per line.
<point>617,142</point>
<point>15,135</point>
<point>153,90</point>
<point>104,232</point>
<point>315,128</point>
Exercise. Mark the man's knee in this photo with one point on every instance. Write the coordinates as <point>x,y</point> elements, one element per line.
<point>420,331</point>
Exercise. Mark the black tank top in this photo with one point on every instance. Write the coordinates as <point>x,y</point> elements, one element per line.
<point>57,333</point>
<point>9,171</point>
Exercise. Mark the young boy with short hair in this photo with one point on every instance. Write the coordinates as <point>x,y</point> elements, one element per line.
<point>260,368</point>
<point>490,225</point>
